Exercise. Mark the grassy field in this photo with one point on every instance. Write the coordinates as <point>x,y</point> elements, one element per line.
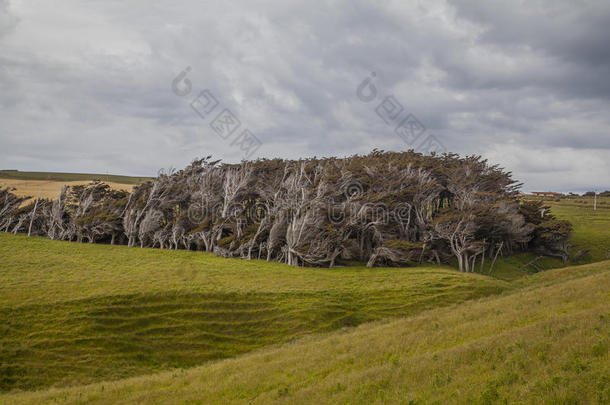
<point>49,184</point>
<point>591,228</point>
<point>78,313</point>
<point>48,188</point>
<point>64,177</point>
<point>99,323</point>
<point>543,341</point>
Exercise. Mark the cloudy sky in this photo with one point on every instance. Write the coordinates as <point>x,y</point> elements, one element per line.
<point>94,86</point>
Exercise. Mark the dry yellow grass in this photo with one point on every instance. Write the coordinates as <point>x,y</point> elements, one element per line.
<point>49,188</point>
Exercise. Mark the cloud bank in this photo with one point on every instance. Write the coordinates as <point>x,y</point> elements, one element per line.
<point>87,86</point>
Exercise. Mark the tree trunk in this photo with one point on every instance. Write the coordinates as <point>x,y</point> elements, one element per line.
<point>460,262</point>
<point>495,257</point>
<point>33,215</point>
<point>421,256</point>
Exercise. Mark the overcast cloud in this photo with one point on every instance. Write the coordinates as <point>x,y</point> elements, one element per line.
<point>85,86</point>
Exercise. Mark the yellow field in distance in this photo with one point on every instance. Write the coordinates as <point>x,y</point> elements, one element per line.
<point>49,188</point>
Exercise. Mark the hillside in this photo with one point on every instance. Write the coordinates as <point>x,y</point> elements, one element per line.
<point>78,313</point>
<point>100,323</point>
<point>546,342</point>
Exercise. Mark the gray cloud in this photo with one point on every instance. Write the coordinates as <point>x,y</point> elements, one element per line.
<point>86,86</point>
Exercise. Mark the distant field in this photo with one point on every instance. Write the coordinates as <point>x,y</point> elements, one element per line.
<point>64,177</point>
<point>49,184</point>
<point>77,313</point>
<point>591,228</point>
<point>49,188</point>
<point>545,340</point>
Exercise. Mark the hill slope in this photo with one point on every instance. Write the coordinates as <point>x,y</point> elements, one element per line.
<point>78,313</point>
<point>546,342</point>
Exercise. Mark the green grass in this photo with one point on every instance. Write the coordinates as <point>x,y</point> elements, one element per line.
<point>79,313</point>
<point>54,176</point>
<point>514,267</point>
<point>545,342</point>
<point>591,228</point>
<point>99,323</point>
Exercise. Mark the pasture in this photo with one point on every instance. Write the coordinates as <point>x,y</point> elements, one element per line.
<point>98,323</point>
<point>67,177</point>
<point>48,188</point>
<point>591,227</point>
<point>78,313</point>
<point>49,184</point>
<point>545,337</point>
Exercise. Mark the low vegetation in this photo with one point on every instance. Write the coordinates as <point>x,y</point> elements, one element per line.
<point>77,313</point>
<point>544,341</point>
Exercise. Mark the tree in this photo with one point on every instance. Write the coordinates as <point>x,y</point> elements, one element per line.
<point>9,203</point>
<point>384,208</point>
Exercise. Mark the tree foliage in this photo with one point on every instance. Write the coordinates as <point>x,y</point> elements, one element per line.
<point>384,208</point>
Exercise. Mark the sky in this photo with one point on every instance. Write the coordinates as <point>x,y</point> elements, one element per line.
<point>130,87</point>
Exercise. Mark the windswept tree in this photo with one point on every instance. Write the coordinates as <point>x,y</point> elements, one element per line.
<point>9,205</point>
<point>549,235</point>
<point>384,208</point>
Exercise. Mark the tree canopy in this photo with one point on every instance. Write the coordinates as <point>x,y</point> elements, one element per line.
<point>384,208</point>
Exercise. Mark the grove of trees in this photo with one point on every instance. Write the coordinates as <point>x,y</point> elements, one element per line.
<point>384,208</point>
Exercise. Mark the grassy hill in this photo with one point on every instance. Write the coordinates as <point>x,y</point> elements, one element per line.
<point>78,313</point>
<point>99,323</point>
<point>544,341</point>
